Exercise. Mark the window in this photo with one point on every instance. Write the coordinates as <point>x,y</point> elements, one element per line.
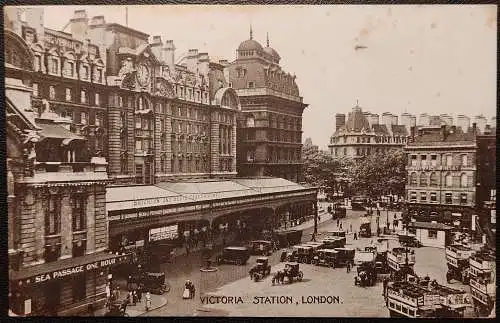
<point>54,66</point>
<point>251,85</point>
<point>138,123</point>
<point>449,160</point>
<point>83,118</point>
<point>447,198</point>
<point>423,179</point>
<point>463,198</point>
<point>98,120</point>
<point>432,234</point>
<point>35,89</point>
<point>448,180</point>
<point>138,174</point>
<point>79,287</point>
<point>120,101</point>
<point>413,196</point>
<point>345,151</point>
<point>52,92</point>
<point>413,179</point>
<point>463,180</point>
<point>464,160</point>
<point>52,253</point>
<point>85,73</point>
<point>423,160</point>
<point>433,179</point>
<point>358,140</point>
<point>99,75</point>
<point>71,69</point>
<point>433,197</point>
<point>413,160</point>
<point>124,164</point>
<point>83,96</point>
<point>97,99</point>
<point>79,212</point>
<point>423,196</point>
<point>53,215</point>
<point>37,64</point>
<point>68,94</point>
<point>138,145</point>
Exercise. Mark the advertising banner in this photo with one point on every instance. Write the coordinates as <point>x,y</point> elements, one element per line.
<point>164,233</point>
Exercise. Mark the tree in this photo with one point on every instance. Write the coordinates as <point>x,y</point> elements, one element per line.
<point>320,168</point>
<point>379,174</point>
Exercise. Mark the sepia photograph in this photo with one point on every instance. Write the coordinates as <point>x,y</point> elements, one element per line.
<point>251,160</point>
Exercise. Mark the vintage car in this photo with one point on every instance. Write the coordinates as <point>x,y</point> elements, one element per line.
<point>367,275</point>
<point>261,247</point>
<point>346,255</point>
<point>409,240</point>
<point>288,238</point>
<point>333,242</point>
<point>290,272</point>
<point>325,257</point>
<point>234,255</point>
<point>261,269</point>
<point>154,283</point>
<point>337,233</point>
<point>315,246</point>
<point>305,254</point>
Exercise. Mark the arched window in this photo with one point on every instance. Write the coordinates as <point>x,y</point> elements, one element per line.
<point>413,179</point>
<point>448,180</point>
<point>463,180</point>
<point>464,160</point>
<point>449,160</point>
<point>423,179</point>
<point>433,179</point>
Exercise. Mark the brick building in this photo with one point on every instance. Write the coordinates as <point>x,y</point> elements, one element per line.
<point>270,125</point>
<point>362,134</point>
<point>56,200</point>
<point>444,177</point>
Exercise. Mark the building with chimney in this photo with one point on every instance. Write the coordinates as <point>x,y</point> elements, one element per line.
<point>136,156</point>
<point>270,122</point>
<point>448,169</point>
<point>57,223</point>
<point>363,133</point>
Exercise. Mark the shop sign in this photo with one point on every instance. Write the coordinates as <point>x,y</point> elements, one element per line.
<point>164,233</point>
<point>57,274</point>
<point>139,243</point>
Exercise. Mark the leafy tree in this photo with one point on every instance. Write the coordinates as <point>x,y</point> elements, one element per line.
<point>379,174</point>
<point>320,168</point>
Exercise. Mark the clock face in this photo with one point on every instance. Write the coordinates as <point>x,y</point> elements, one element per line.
<point>142,75</point>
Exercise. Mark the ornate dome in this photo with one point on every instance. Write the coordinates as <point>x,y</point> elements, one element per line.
<point>271,51</point>
<point>249,45</point>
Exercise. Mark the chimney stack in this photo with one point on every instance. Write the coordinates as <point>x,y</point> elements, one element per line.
<point>79,25</point>
<point>443,132</point>
<point>169,54</point>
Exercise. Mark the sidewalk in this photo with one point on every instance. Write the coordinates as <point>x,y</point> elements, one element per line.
<point>139,309</point>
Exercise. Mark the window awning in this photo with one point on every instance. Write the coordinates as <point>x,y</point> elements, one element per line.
<point>65,268</point>
<point>50,130</point>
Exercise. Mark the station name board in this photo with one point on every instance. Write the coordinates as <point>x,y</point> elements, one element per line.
<point>158,201</point>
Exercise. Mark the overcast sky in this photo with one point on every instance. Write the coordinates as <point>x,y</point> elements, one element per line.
<point>434,59</point>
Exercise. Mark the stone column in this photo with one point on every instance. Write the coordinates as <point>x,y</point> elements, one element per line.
<point>90,212</point>
<point>66,226</point>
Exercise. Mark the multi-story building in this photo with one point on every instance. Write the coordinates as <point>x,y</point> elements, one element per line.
<point>270,122</point>
<point>362,134</point>
<point>167,127</point>
<point>57,221</point>
<point>443,173</point>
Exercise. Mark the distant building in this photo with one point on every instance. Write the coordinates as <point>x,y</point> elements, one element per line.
<point>309,144</point>
<point>362,134</point>
<point>443,173</point>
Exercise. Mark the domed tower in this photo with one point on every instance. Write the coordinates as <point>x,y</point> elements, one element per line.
<point>258,80</point>
<point>271,53</point>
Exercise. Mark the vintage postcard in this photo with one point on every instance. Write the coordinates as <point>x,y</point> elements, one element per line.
<point>209,160</point>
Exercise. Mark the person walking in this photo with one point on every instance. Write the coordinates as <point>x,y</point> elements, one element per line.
<point>350,227</point>
<point>338,221</point>
<point>148,301</point>
<point>348,267</point>
<point>340,225</point>
<point>355,236</point>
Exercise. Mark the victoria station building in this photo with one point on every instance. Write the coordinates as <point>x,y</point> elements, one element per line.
<point>118,147</point>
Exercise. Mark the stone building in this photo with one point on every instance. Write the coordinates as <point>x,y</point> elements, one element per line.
<point>363,133</point>
<point>270,123</point>
<point>57,221</point>
<point>443,173</point>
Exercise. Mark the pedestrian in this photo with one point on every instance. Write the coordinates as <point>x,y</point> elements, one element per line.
<point>187,249</point>
<point>384,286</point>
<point>172,255</point>
<point>108,293</point>
<point>140,288</point>
<point>148,301</point>
<point>338,221</point>
<point>350,227</point>
<point>355,236</point>
<point>340,225</point>
<point>348,266</point>
<point>129,281</point>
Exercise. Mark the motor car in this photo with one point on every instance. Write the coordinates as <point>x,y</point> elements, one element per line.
<point>261,269</point>
<point>233,255</point>
<point>304,254</point>
<point>261,247</point>
<point>346,255</point>
<point>325,257</point>
<point>291,272</point>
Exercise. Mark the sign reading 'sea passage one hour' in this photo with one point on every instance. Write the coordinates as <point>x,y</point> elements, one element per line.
<point>164,233</point>
<point>74,270</point>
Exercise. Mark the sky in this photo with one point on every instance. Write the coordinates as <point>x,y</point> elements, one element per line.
<point>418,59</point>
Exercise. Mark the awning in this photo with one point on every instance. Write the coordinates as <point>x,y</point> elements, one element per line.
<point>208,190</point>
<point>132,197</point>
<point>65,268</point>
<point>51,130</point>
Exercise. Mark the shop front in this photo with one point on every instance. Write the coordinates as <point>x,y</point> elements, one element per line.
<point>66,287</point>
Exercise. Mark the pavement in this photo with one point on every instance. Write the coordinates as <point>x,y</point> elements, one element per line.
<point>157,302</point>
